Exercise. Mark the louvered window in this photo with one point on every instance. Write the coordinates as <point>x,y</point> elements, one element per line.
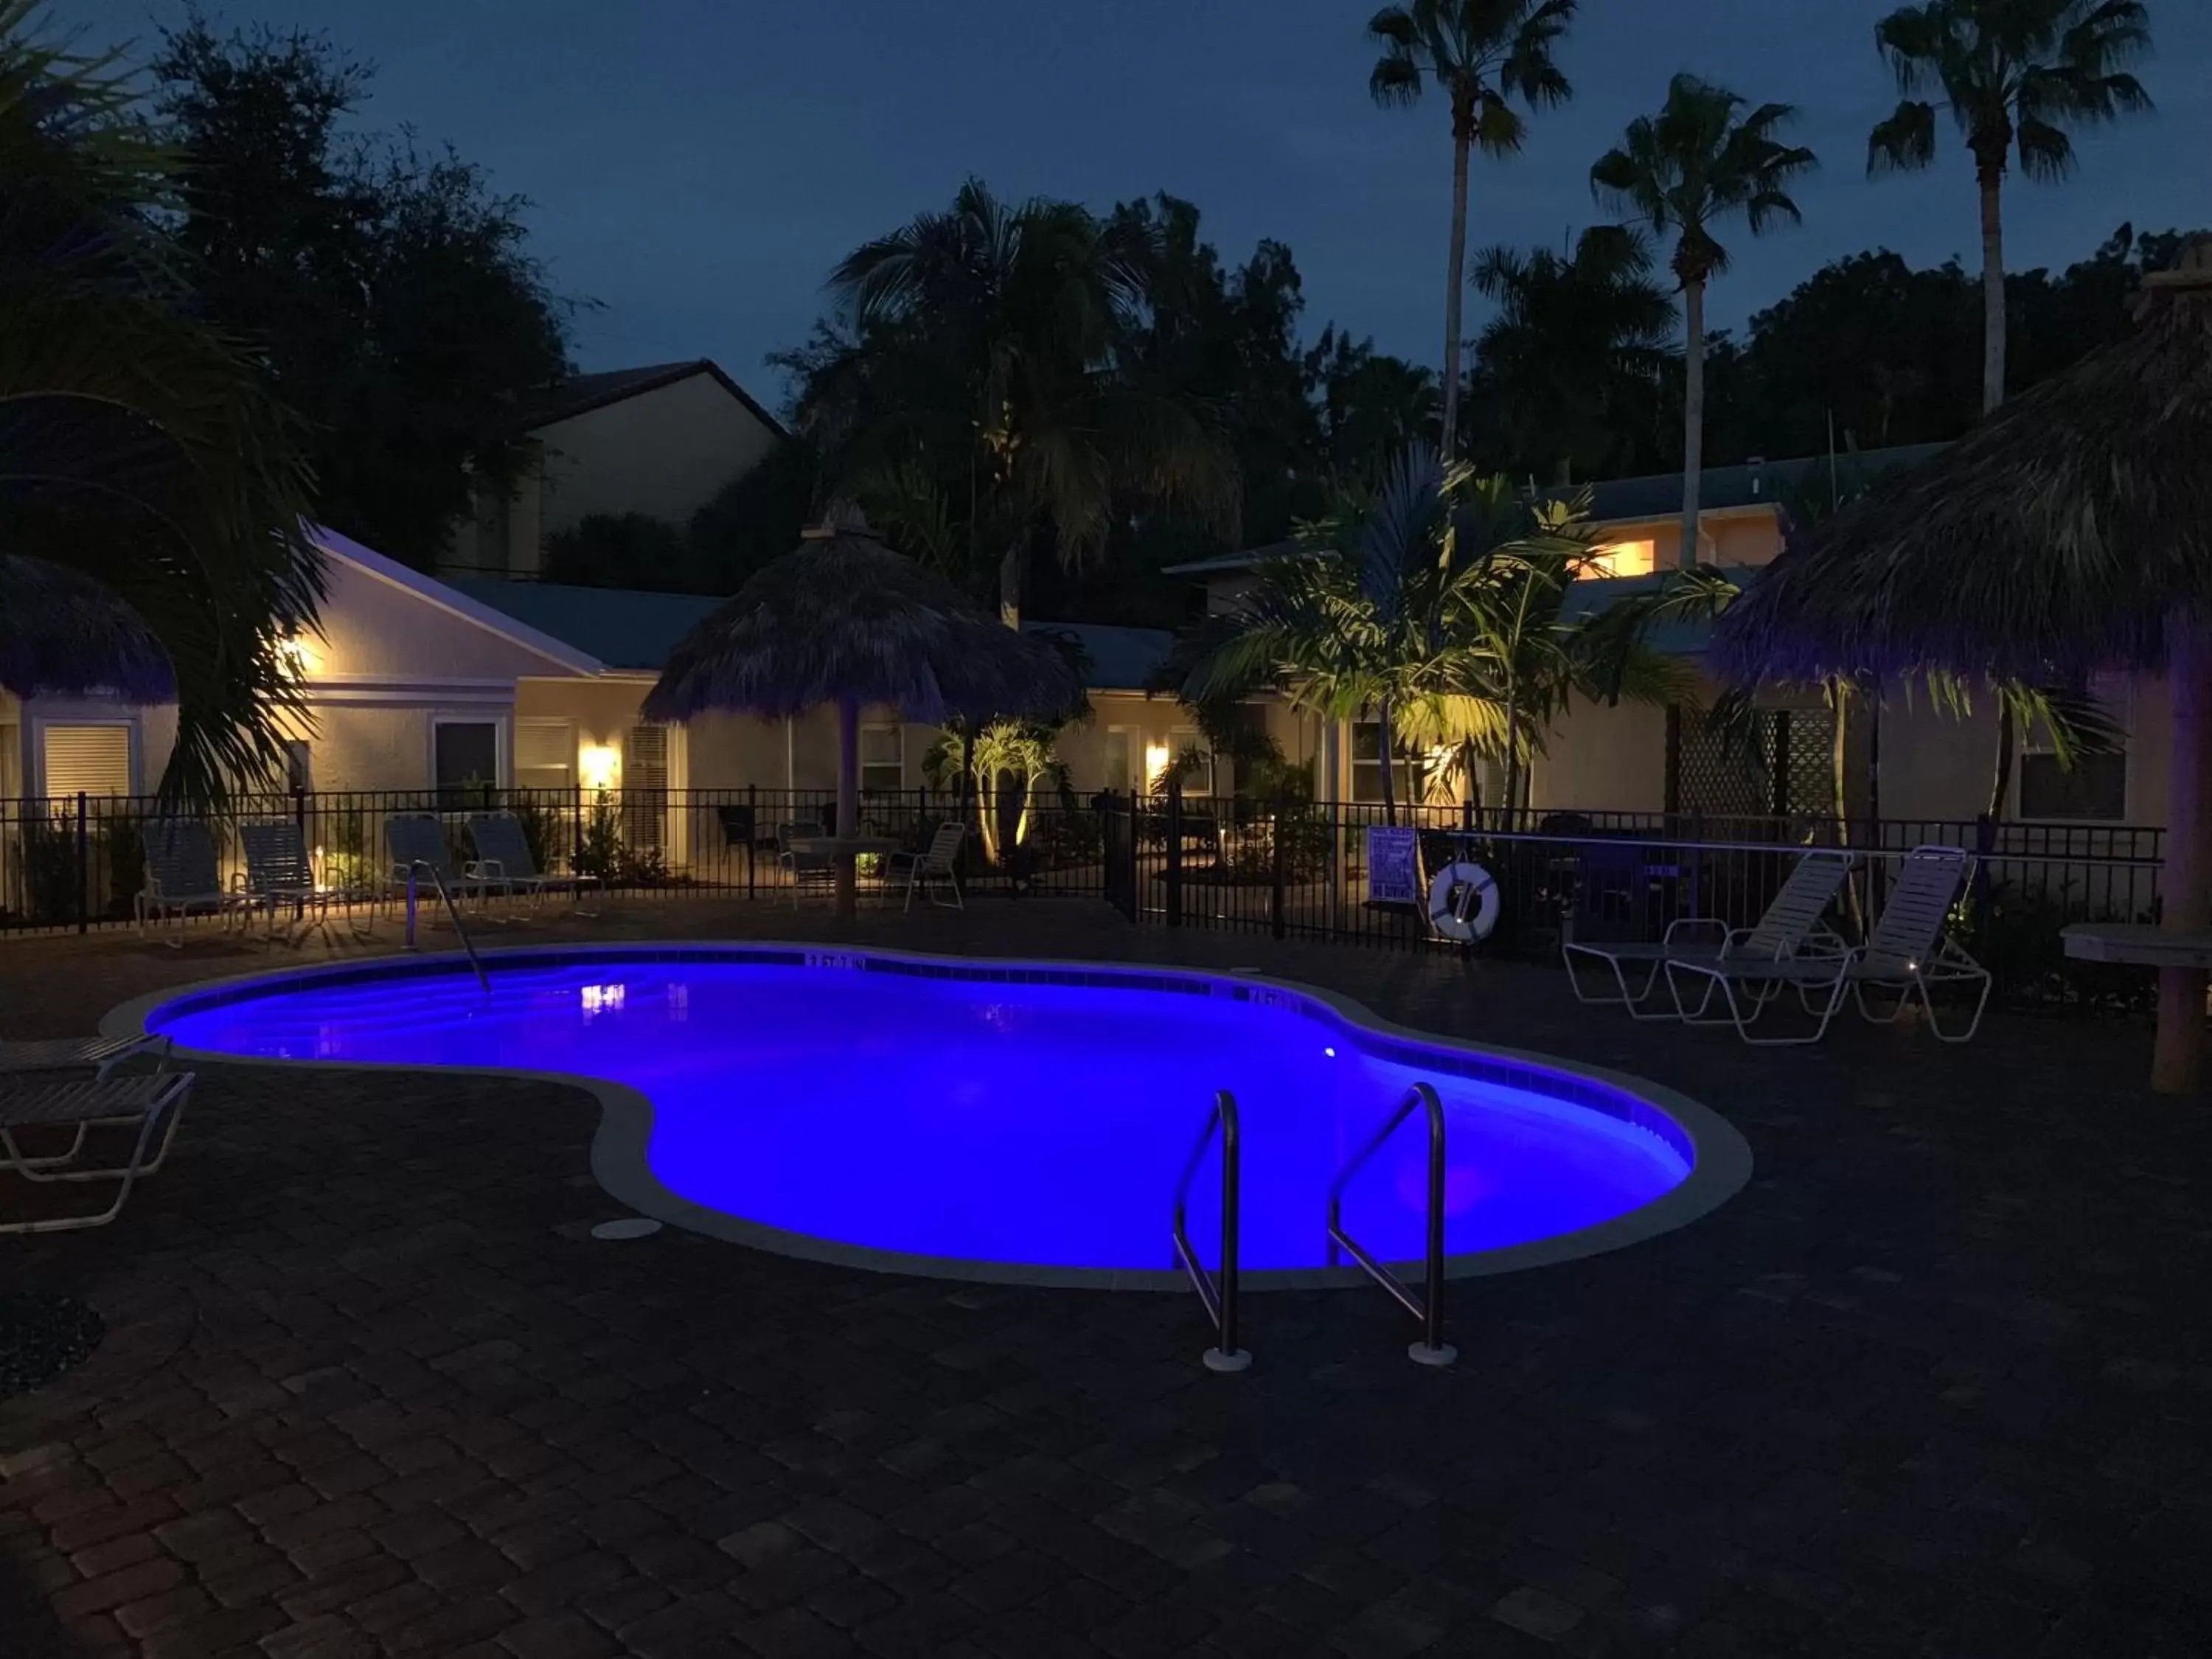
<point>94,760</point>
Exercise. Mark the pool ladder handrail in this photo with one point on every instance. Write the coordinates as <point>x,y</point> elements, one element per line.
<point>453,910</point>
<point>1431,1349</point>
<point>1219,1296</point>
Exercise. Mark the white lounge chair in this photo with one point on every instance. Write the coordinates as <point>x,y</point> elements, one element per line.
<point>1908,954</point>
<point>23,1056</point>
<point>182,877</point>
<point>1792,926</point>
<point>936,863</point>
<point>419,838</point>
<point>811,872</point>
<point>504,860</point>
<point>280,871</point>
<point>145,1100</point>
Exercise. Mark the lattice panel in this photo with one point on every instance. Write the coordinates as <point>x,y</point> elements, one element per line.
<point>1785,772</point>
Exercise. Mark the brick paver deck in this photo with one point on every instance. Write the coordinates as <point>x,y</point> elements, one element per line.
<point>1938,1382</point>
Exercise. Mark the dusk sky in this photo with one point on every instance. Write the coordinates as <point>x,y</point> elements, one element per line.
<point>696,165</point>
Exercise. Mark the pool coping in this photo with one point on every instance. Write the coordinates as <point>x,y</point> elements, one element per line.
<point>1719,1157</point>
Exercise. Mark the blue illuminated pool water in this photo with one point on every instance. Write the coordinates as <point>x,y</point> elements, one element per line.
<point>909,1107</point>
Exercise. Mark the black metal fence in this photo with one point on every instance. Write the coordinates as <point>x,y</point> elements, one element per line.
<point>1290,869</point>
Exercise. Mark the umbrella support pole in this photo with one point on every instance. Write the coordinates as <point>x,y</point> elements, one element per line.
<point>2185,895</point>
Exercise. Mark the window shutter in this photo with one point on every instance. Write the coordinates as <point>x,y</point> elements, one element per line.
<point>547,746</point>
<point>94,760</point>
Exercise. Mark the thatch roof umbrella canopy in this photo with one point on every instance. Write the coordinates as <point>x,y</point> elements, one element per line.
<point>62,634</point>
<point>846,620</point>
<point>2072,531</point>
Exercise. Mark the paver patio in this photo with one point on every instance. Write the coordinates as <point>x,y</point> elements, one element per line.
<point>1939,1382</point>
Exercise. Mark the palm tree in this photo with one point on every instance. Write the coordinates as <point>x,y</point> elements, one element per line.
<point>139,448</point>
<point>1683,171</point>
<point>1577,349</point>
<point>2013,74</point>
<point>1445,622</point>
<point>984,347</point>
<point>1482,54</point>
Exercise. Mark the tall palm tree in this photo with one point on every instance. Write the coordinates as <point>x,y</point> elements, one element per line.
<point>983,348</point>
<point>1576,351</point>
<point>139,447</point>
<point>1683,171</point>
<point>2015,73</point>
<point>1482,54</point>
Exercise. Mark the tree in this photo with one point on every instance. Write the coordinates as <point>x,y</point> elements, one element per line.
<point>2015,73</point>
<point>139,446</point>
<point>1482,54</point>
<point>1369,406</point>
<point>1570,368</point>
<point>391,289</point>
<point>983,344</point>
<point>1682,172</point>
<point>1437,609</point>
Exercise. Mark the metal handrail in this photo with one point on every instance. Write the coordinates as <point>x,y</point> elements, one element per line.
<point>1219,1296</point>
<point>453,910</point>
<point>1431,1349</point>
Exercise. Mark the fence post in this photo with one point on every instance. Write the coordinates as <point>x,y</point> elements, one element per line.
<point>753,835</point>
<point>1175,853</point>
<point>83,867</point>
<point>1275,839</point>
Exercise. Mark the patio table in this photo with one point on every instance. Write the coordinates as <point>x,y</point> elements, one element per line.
<point>2142,943</point>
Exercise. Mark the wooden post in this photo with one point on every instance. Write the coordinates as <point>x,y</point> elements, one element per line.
<point>2177,1063</point>
<point>848,805</point>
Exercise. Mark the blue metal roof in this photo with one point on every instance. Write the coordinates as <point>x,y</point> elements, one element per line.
<point>628,628</point>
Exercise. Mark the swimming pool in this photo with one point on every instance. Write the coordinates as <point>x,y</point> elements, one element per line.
<point>1013,1121</point>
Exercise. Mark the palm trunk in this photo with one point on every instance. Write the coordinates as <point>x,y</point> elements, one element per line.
<point>849,803</point>
<point>1013,569</point>
<point>2001,769</point>
<point>1389,761</point>
<point>1511,804</point>
<point>2185,891</point>
<point>1693,414</point>
<point>1454,281</point>
<point>1993,289</point>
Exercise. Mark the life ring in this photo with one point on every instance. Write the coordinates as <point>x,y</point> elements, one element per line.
<point>1449,895</point>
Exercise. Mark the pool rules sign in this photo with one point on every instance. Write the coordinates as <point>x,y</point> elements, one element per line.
<point>1393,875</point>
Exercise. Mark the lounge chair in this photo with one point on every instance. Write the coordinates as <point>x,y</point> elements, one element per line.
<point>814,872</point>
<point>182,877</point>
<point>1908,954</point>
<point>504,860</point>
<point>934,863</point>
<point>21,1057</point>
<point>280,871</point>
<point>419,838</point>
<point>145,1100</point>
<point>1791,925</point>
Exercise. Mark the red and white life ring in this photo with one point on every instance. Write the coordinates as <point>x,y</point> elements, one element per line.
<point>1457,890</point>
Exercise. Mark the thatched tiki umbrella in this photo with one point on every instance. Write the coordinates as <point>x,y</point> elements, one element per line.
<point>2071,531</point>
<point>64,635</point>
<point>846,620</point>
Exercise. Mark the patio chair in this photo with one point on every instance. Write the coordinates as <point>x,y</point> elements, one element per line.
<point>936,863</point>
<point>504,858</point>
<point>145,1101</point>
<point>1791,925</point>
<point>419,838</point>
<point>182,877</point>
<point>21,1056</point>
<point>811,872</point>
<point>1908,954</point>
<point>280,871</point>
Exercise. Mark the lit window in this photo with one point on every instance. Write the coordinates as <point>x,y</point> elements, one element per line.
<point>545,753</point>
<point>91,760</point>
<point>1367,765</point>
<point>883,760</point>
<point>1622,559</point>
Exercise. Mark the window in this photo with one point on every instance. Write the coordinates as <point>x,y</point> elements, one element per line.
<point>298,766</point>
<point>883,760</point>
<point>645,775</point>
<point>1122,748</point>
<point>2096,788</point>
<point>91,760</point>
<point>1188,760</point>
<point>464,757</point>
<point>1623,559</point>
<point>1367,765</point>
<point>545,753</point>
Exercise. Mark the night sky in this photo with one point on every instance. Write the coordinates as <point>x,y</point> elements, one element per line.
<point>696,165</point>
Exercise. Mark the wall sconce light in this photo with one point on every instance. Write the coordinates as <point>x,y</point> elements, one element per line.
<point>301,656</point>
<point>599,766</point>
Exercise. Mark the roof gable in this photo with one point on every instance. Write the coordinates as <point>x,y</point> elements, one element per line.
<point>580,394</point>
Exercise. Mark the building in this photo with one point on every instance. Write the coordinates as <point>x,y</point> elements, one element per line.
<point>663,441</point>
